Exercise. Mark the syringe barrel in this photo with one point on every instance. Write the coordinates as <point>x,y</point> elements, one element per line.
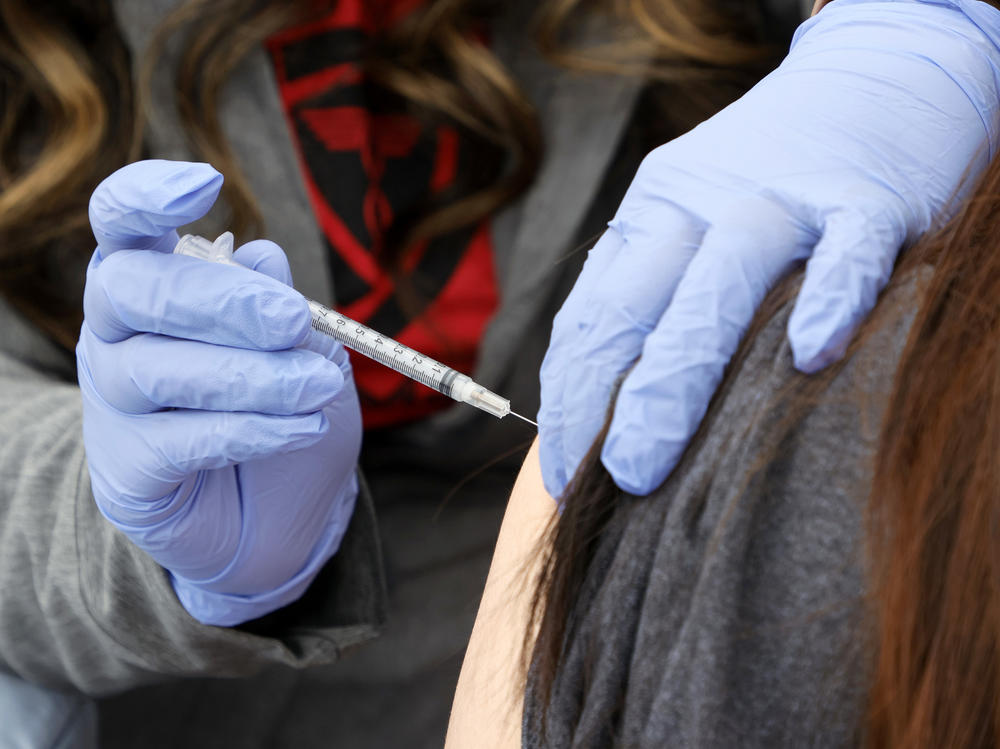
<point>406,361</point>
<point>368,341</point>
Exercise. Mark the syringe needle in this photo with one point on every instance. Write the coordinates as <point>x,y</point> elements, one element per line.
<point>522,418</point>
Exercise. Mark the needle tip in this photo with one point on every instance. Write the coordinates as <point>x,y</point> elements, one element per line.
<point>523,418</point>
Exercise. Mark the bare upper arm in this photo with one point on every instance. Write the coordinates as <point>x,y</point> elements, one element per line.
<point>486,712</point>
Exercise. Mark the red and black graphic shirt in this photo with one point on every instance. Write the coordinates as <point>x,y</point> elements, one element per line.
<point>363,164</point>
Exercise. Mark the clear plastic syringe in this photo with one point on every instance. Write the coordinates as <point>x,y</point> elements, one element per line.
<point>369,342</point>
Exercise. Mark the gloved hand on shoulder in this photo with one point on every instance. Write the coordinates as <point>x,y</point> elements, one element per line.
<point>881,114</point>
<point>222,434</point>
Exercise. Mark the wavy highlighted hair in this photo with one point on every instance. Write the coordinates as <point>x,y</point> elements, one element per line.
<point>72,112</point>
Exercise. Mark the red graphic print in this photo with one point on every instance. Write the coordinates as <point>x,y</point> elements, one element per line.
<point>366,162</point>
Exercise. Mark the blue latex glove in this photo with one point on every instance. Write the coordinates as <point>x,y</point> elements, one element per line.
<point>221,432</point>
<point>850,149</point>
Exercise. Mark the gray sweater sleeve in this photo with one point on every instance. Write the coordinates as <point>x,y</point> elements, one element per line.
<point>81,607</point>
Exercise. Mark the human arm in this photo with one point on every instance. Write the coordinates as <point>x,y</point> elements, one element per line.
<point>881,113</point>
<point>82,606</point>
<point>488,701</point>
<point>222,433</point>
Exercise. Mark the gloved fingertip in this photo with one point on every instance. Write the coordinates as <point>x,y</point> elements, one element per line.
<point>637,463</point>
<point>302,323</point>
<point>284,314</point>
<point>336,373</point>
<point>309,386</point>
<point>819,331</point>
<point>264,256</point>
<point>195,192</point>
<point>624,472</point>
<point>812,359</point>
<point>327,347</point>
<point>187,177</point>
<point>330,385</point>
<point>554,484</point>
<point>553,477</point>
<point>850,266</point>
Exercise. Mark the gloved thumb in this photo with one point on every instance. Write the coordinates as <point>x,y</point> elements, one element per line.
<point>850,265</point>
<point>140,205</point>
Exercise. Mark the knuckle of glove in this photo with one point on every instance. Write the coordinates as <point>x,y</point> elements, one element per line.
<point>99,309</point>
<point>112,371</point>
<point>760,225</point>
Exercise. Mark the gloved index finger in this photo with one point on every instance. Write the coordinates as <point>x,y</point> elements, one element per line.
<point>190,298</point>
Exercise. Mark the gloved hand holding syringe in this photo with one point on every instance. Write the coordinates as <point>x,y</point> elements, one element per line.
<point>371,343</point>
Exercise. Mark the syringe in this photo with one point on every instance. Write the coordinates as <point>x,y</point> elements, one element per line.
<point>369,342</point>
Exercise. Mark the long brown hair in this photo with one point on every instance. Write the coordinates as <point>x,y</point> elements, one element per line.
<point>933,511</point>
<point>65,119</point>
<point>72,113</point>
<point>935,503</point>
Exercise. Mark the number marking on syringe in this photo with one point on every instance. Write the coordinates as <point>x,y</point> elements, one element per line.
<point>403,359</point>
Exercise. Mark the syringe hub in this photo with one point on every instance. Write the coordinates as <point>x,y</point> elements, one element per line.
<point>219,251</point>
<point>466,390</point>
